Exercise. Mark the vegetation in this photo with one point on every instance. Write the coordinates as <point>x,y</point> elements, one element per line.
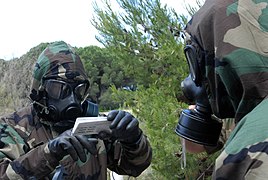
<point>104,71</point>
<point>15,80</point>
<point>145,37</point>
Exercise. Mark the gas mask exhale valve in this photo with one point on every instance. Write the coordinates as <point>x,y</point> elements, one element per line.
<point>197,125</point>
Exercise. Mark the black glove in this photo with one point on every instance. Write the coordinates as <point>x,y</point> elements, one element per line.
<point>72,145</point>
<point>124,126</point>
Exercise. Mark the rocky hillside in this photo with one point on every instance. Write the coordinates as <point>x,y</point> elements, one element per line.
<point>15,80</point>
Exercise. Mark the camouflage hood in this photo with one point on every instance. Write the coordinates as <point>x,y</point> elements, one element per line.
<point>57,61</point>
<point>234,36</point>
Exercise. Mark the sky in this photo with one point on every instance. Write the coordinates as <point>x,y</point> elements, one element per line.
<point>25,24</point>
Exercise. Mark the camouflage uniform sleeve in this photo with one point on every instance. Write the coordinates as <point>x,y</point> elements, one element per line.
<point>130,159</point>
<point>17,161</point>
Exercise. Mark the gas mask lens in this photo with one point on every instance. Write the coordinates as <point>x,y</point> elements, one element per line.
<point>81,91</point>
<point>60,90</point>
<point>192,60</point>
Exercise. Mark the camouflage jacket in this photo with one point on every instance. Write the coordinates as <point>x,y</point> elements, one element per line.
<point>24,153</point>
<point>234,37</point>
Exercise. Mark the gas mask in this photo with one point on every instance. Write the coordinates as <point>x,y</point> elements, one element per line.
<point>197,58</point>
<point>64,99</point>
<point>65,102</point>
<point>198,124</point>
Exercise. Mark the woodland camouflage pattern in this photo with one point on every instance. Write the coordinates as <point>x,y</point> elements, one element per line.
<point>23,139</point>
<point>236,32</point>
<point>58,61</point>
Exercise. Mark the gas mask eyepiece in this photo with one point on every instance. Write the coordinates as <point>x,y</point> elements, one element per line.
<point>198,125</point>
<point>57,89</point>
<point>192,58</point>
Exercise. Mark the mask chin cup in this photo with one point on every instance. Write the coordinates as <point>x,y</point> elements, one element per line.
<point>90,109</point>
<point>198,127</point>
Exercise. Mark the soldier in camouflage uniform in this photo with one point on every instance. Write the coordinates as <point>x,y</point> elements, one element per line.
<point>231,36</point>
<point>35,142</point>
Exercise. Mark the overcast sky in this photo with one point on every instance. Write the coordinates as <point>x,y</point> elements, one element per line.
<point>26,23</point>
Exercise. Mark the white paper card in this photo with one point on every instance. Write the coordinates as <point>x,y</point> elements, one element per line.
<point>90,125</point>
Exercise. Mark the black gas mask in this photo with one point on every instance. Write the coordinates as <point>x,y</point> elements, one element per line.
<point>194,58</point>
<point>64,100</point>
<point>198,124</point>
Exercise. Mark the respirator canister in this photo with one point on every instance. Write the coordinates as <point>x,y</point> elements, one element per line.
<point>197,128</point>
<point>198,125</point>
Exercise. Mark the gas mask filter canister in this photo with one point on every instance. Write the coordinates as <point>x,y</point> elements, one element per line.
<point>198,125</point>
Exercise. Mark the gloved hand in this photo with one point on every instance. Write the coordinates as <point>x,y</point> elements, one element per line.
<point>124,126</point>
<point>73,145</point>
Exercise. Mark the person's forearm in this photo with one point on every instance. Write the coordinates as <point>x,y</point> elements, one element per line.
<point>36,163</point>
<point>135,160</point>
